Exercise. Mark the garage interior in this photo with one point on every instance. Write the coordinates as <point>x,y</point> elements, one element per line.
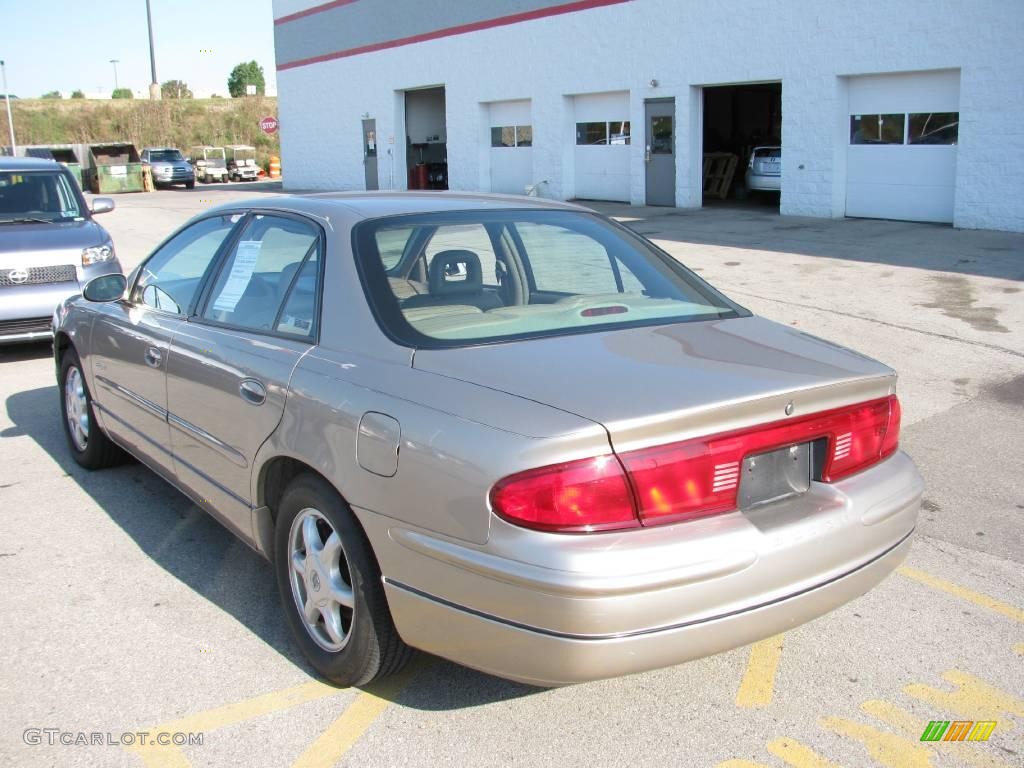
<point>426,138</point>
<point>738,118</point>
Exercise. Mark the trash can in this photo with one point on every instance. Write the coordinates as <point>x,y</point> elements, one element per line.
<point>114,168</point>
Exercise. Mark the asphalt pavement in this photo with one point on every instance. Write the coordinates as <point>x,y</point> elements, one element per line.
<point>125,609</point>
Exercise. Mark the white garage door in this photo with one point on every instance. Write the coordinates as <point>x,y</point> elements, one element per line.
<point>901,158</point>
<point>511,146</point>
<point>602,146</point>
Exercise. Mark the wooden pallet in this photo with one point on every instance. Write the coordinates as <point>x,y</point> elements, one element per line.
<point>719,168</point>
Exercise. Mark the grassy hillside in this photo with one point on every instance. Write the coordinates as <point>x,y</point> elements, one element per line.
<point>172,122</point>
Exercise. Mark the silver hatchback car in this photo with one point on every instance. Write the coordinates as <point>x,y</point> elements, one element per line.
<point>506,431</point>
<point>49,245</point>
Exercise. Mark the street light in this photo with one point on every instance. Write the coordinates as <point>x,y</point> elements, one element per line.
<point>154,86</point>
<point>7,98</point>
<point>115,62</point>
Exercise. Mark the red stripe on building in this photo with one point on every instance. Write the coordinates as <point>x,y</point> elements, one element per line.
<point>501,21</point>
<point>311,11</point>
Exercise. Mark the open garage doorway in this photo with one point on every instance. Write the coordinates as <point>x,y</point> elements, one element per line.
<point>742,145</point>
<point>426,137</point>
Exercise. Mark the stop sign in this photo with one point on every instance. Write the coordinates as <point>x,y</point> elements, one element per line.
<point>269,124</point>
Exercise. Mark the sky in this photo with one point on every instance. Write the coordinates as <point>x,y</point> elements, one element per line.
<point>63,45</point>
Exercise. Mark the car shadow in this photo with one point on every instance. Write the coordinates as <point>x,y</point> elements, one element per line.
<point>17,353</point>
<point>204,556</point>
<point>937,247</point>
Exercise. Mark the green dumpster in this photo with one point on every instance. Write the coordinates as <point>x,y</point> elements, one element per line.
<point>66,156</point>
<point>114,168</point>
<point>63,154</point>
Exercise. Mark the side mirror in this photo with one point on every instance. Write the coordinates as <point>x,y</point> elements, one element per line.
<point>102,205</point>
<point>105,288</point>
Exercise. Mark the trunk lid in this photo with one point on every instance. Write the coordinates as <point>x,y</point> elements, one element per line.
<point>654,385</point>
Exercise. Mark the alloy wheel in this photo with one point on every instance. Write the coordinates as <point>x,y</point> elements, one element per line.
<point>321,580</point>
<point>77,408</point>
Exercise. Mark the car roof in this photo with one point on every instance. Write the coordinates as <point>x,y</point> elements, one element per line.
<point>28,164</point>
<point>372,205</point>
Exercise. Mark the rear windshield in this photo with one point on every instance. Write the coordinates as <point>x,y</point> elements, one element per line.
<point>474,277</point>
<point>37,196</point>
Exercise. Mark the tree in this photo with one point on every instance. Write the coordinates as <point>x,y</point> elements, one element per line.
<point>175,89</point>
<point>76,94</point>
<point>53,95</point>
<point>246,73</point>
<point>122,93</point>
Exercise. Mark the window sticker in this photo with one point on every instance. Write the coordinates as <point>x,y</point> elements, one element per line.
<point>246,255</point>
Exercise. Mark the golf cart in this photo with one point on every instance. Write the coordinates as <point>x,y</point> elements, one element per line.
<point>209,163</point>
<point>242,162</point>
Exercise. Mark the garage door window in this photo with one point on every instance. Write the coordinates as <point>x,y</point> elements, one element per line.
<point>877,129</point>
<point>934,128</point>
<point>602,134</point>
<point>512,136</point>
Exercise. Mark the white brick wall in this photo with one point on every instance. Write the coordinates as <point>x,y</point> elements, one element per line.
<point>807,44</point>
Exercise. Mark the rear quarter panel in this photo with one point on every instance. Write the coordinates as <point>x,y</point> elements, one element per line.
<point>457,439</point>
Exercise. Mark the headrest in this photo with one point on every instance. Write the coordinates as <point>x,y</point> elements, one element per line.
<point>455,273</point>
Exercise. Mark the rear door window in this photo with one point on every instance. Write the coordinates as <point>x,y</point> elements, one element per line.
<point>272,262</point>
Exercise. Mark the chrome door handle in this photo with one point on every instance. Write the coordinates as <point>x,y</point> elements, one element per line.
<point>154,357</point>
<point>647,154</point>
<point>252,391</point>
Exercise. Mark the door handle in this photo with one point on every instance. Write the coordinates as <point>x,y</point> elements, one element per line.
<point>154,357</point>
<point>252,391</point>
<point>647,154</point>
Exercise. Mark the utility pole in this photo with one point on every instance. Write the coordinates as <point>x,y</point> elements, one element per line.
<point>115,62</point>
<point>154,86</point>
<point>7,98</point>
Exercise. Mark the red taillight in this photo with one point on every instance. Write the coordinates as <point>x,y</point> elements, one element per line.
<point>861,436</point>
<point>584,495</point>
<point>690,479</point>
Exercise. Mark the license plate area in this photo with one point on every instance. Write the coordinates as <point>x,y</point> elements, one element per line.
<point>775,475</point>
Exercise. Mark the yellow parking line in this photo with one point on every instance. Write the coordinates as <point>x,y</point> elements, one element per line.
<point>231,714</point>
<point>758,683</point>
<point>170,756</point>
<point>971,698</point>
<point>885,748</point>
<point>339,737</point>
<point>912,727</point>
<point>962,592</point>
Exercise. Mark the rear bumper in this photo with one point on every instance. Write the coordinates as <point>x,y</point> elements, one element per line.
<point>761,183</point>
<point>553,609</point>
<point>537,657</point>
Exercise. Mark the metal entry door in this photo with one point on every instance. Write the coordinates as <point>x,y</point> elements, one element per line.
<point>660,154</point>
<point>370,153</point>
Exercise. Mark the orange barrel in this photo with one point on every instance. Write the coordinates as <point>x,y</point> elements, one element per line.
<point>275,167</point>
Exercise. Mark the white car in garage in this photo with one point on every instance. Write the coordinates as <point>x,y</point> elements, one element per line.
<point>764,171</point>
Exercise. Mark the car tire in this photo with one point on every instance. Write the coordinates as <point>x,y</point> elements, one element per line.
<point>349,645</point>
<point>190,185</point>
<point>90,447</point>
